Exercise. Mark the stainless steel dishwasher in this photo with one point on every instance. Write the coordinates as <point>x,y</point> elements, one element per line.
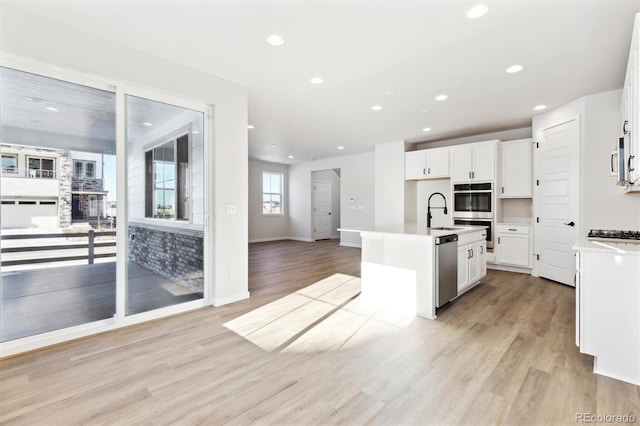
<point>446,268</point>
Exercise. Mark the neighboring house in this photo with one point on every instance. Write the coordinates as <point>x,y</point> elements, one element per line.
<point>50,188</point>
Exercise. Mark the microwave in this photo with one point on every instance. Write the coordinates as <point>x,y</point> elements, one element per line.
<point>473,201</point>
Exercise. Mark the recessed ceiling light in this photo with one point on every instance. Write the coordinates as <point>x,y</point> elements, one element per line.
<point>376,107</point>
<point>477,11</point>
<point>539,107</point>
<point>195,132</point>
<point>251,126</point>
<point>514,69</point>
<point>317,80</point>
<point>441,97</point>
<point>52,109</point>
<point>148,124</point>
<point>275,40</point>
<point>274,145</point>
<point>291,156</point>
<point>426,129</point>
<point>341,147</point>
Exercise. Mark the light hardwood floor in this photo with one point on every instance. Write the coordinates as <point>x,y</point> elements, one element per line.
<point>305,349</point>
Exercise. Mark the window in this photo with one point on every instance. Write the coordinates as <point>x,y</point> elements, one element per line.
<point>167,180</point>
<point>272,193</point>
<point>83,169</point>
<point>41,167</point>
<point>9,163</point>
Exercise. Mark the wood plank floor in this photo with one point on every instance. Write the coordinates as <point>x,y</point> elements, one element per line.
<point>503,353</point>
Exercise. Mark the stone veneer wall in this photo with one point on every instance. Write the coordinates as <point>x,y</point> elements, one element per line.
<point>65,177</point>
<point>172,252</point>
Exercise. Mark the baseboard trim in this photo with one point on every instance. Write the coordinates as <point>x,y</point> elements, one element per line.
<point>265,240</point>
<point>219,301</point>
<point>350,245</point>
<point>306,240</point>
<point>509,268</point>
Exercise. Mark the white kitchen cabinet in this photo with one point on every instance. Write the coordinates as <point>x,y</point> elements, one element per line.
<point>472,262</point>
<point>630,113</point>
<point>516,169</point>
<point>608,308</point>
<point>427,164</point>
<point>513,245</point>
<point>474,162</point>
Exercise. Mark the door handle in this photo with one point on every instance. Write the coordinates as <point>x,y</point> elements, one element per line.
<point>570,223</point>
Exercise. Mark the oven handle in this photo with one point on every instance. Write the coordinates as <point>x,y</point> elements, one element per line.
<point>482,191</point>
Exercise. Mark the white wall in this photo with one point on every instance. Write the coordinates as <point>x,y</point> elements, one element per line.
<point>356,195</point>
<point>266,227</point>
<point>23,35</point>
<point>331,177</point>
<point>395,198</point>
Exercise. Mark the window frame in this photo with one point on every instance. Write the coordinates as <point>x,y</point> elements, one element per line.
<point>39,174</point>
<point>15,168</point>
<point>281,193</point>
<point>84,169</point>
<point>150,190</point>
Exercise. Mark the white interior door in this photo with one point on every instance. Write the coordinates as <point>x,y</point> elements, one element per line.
<point>322,210</point>
<point>556,200</point>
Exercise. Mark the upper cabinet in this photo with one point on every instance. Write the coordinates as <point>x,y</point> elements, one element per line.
<point>474,162</point>
<point>516,169</point>
<point>427,164</point>
<point>630,114</point>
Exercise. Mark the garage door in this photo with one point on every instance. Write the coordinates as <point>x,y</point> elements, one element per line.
<point>29,214</point>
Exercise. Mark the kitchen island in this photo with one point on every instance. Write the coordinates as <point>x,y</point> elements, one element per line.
<point>399,264</point>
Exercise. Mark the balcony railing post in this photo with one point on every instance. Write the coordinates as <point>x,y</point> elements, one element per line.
<point>91,247</point>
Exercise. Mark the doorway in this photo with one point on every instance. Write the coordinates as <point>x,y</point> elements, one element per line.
<point>326,204</point>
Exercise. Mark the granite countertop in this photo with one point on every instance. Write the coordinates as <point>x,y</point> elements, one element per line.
<point>612,247</point>
<point>415,229</point>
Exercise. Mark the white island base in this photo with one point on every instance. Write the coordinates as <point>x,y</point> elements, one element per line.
<point>398,268</point>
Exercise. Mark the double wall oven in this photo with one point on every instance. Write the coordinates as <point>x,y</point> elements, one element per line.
<point>473,205</point>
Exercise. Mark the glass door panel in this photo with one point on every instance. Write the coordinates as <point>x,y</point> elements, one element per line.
<point>165,153</point>
<point>58,191</point>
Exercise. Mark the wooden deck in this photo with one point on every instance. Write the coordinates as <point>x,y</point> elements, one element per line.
<point>41,300</point>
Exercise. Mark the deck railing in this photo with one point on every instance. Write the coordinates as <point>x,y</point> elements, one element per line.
<point>90,245</point>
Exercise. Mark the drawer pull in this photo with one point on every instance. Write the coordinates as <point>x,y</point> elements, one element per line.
<point>513,229</point>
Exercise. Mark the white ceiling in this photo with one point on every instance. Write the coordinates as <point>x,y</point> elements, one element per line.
<point>396,53</point>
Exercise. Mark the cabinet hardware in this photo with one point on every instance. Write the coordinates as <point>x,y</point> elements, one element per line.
<point>537,257</point>
<point>423,172</point>
<point>429,171</point>
<point>512,229</point>
<point>625,128</point>
<point>537,220</point>
<point>468,254</point>
<point>537,145</point>
<point>503,189</point>
<point>471,253</point>
<point>498,240</point>
<point>631,169</point>
<point>473,175</point>
<point>469,175</point>
<point>537,182</point>
<point>481,249</point>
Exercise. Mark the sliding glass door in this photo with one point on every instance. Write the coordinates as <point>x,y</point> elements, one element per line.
<point>102,218</point>
<point>165,168</point>
<point>58,191</point>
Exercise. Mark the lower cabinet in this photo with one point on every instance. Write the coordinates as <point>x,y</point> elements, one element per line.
<point>472,259</point>
<point>513,245</point>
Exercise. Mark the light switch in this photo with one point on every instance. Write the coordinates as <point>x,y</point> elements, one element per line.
<point>231,208</point>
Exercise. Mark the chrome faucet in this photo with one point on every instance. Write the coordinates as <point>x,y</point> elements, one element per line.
<point>429,207</point>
